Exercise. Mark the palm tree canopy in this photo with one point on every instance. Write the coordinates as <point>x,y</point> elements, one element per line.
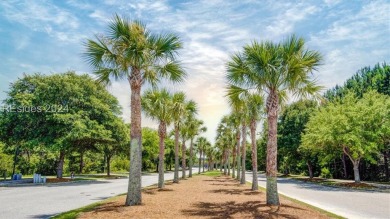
<point>157,104</point>
<point>182,107</point>
<point>129,47</point>
<point>282,68</point>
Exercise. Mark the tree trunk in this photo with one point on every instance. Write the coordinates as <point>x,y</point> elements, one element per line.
<point>255,181</point>
<point>203,162</point>
<point>224,163</point>
<point>176,174</point>
<point>228,163</point>
<point>238,161</point>
<point>183,159</point>
<point>272,148</point>
<point>134,196</point>
<point>355,163</point>
<point>386,163</point>
<point>344,166</point>
<point>243,145</point>
<point>15,161</point>
<point>200,160</point>
<point>81,162</point>
<point>60,166</point>
<point>108,165</point>
<point>162,130</point>
<point>234,162</point>
<point>190,160</point>
<point>356,171</point>
<point>310,168</point>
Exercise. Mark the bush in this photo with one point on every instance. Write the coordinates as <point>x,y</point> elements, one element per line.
<point>325,173</point>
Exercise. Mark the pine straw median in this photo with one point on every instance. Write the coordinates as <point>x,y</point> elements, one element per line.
<point>202,197</point>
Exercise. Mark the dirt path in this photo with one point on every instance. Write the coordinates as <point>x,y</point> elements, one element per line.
<point>202,197</point>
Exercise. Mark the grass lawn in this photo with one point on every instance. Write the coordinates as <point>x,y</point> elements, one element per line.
<point>208,195</point>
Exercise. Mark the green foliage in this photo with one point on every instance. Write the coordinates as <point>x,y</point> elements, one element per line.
<point>6,162</point>
<point>325,173</point>
<point>377,78</point>
<point>290,128</point>
<point>149,148</point>
<point>72,113</point>
<point>357,127</point>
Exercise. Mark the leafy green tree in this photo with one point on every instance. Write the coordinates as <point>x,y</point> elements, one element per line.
<point>5,162</point>
<point>129,51</point>
<point>118,141</point>
<point>376,78</point>
<point>276,69</point>
<point>157,104</point>
<point>63,112</point>
<point>351,125</point>
<point>291,126</point>
<point>150,148</point>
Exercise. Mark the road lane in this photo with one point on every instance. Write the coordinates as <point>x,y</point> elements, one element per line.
<point>344,202</point>
<point>51,199</point>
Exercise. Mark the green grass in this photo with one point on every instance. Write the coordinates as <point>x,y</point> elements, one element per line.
<point>75,213</point>
<point>211,173</point>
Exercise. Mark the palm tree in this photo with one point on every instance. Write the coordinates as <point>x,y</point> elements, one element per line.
<point>157,104</point>
<point>129,51</point>
<point>276,69</point>
<point>194,128</point>
<point>200,142</point>
<point>181,108</point>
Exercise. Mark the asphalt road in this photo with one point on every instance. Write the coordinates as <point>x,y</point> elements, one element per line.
<point>344,202</point>
<point>48,200</point>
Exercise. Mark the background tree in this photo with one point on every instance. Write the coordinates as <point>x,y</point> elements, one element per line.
<point>352,126</point>
<point>181,108</point>
<point>157,104</point>
<point>70,111</point>
<point>291,126</point>
<point>194,128</point>
<point>129,51</point>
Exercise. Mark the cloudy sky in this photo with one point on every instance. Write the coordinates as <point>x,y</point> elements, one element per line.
<point>47,37</point>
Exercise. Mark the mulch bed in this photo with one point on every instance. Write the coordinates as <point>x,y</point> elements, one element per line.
<point>57,180</point>
<point>202,197</point>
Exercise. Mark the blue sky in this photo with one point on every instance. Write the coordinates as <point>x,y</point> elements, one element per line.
<point>47,37</point>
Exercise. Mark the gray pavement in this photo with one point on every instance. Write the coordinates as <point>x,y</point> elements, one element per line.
<point>344,202</point>
<point>51,199</point>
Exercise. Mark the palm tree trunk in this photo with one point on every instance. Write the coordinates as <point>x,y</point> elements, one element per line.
<point>134,196</point>
<point>228,162</point>
<point>200,160</point>
<point>203,162</point>
<point>255,185</point>
<point>224,163</point>
<point>243,145</point>
<point>272,150</point>
<point>183,159</point>
<point>191,156</point>
<point>176,174</point>
<point>234,162</point>
<point>238,162</point>
<point>162,129</point>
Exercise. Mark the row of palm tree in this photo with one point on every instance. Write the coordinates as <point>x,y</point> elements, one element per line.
<point>128,50</point>
<point>271,72</point>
